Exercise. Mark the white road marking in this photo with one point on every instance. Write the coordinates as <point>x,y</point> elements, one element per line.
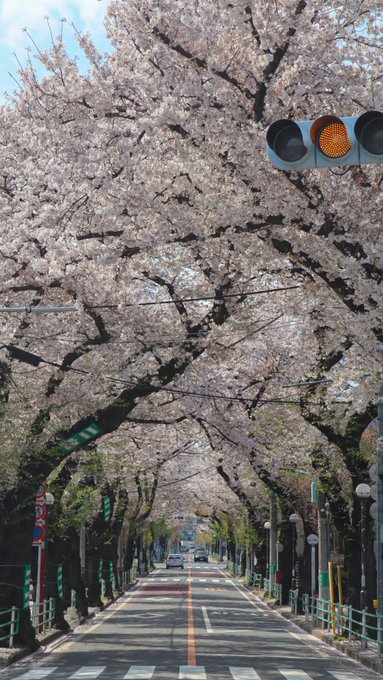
<point>37,673</point>
<point>343,675</point>
<point>295,674</point>
<point>88,672</point>
<point>192,673</point>
<point>140,673</point>
<point>206,619</point>
<point>243,673</point>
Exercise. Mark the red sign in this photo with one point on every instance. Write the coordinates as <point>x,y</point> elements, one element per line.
<point>40,512</point>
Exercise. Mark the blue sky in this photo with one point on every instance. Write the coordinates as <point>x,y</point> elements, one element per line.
<point>15,15</point>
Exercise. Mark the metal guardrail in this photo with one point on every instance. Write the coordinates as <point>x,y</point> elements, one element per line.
<point>10,626</point>
<point>293,600</point>
<point>277,591</point>
<point>128,576</point>
<point>235,568</point>
<point>42,614</point>
<point>345,620</point>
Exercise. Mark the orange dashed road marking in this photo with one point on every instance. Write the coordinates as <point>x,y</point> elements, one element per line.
<point>192,659</point>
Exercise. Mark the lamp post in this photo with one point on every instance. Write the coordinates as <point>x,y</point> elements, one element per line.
<point>294,518</point>
<point>267,527</point>
<point>363,491</point>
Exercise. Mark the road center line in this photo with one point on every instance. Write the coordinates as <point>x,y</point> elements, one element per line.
<point>192,659</point>
<point>206,619</point>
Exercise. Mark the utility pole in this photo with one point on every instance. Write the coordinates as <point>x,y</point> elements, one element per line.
<point>273,540</point>
<point>323,550</point>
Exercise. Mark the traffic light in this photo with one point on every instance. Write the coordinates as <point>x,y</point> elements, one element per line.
<point>326,142</point>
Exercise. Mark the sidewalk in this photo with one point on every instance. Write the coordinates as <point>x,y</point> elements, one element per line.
<point>367,657</point>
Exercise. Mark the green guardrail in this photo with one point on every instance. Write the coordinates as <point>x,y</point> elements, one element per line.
<point>234,568</point>
<point>42,614</point>
<point>345,621</point>
<point>277,592</point>
<point>293,600</point>
<point>9,624</point>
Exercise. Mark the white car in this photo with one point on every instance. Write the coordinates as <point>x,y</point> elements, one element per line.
<point>174,560</point>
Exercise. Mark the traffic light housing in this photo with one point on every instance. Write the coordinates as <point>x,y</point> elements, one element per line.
<point>326,142</point>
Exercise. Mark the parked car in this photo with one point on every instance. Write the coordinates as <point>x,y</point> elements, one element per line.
<point>200,555</point>
<point>174,560</point>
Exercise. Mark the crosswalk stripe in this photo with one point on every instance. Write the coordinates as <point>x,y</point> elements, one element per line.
<point>243,673</point>
<point>344,675</point>
<point>37,673</point>
<point>192,673</point>
<point>140,673</point>
<point>295,674</point>
<point>88,672</point>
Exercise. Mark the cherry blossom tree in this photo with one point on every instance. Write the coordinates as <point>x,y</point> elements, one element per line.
<point>204,279</point>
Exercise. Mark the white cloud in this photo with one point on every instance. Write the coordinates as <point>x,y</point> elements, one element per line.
<point>18,14</point>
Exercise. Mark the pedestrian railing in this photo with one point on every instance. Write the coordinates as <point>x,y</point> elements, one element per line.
<point>235,568</point>
<point>344,620</point>
<point>253,578</point>
<point>42,614</point>
<point>258,580</point>
<point>128,576</point>
<point>9,624</point>
<point>277,591</point>
<point>293,600</point>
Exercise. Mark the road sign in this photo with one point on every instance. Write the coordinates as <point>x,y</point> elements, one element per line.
<point>312,539</point>
<point>38,534</point>
<point>85,435</point>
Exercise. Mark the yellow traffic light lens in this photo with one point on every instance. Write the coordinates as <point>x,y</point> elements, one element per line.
<point>333,140</point>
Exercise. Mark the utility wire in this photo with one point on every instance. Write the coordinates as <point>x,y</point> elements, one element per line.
<point>219,297</point>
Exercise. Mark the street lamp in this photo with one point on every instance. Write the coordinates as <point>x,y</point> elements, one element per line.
<point>363,491</point>
<point>267,526</point>
<point>294,518</point>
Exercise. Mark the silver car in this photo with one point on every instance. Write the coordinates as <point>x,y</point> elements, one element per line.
<point>174,560</point>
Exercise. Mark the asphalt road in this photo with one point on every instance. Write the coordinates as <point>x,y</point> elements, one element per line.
<point>190,624</point>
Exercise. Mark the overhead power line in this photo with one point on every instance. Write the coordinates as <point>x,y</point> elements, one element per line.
<point>218,297</point>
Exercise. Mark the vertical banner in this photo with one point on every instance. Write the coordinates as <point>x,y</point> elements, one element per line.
<point>100,570</point>
<point>40,515</point>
